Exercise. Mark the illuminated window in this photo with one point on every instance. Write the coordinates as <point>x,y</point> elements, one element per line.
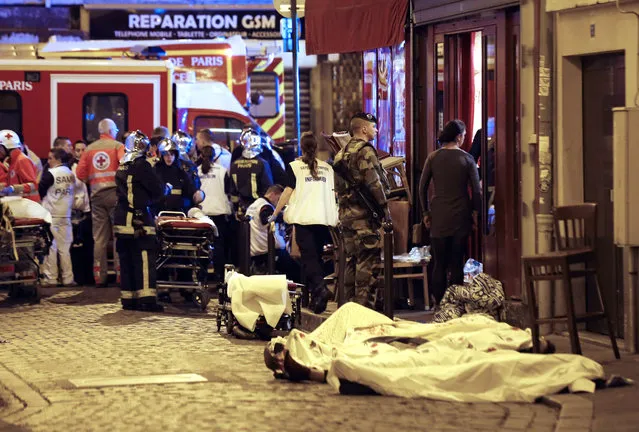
<point>265,95</point>
<point>98,106</point>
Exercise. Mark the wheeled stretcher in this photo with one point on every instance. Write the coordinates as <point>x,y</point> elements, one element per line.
<point>185,256</point>
<point>25,247</point>
<point>287,321</point>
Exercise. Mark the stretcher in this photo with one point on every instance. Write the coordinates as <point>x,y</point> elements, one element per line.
<point>225,317</point>
<point>185,256</point>
<point>26,245</point>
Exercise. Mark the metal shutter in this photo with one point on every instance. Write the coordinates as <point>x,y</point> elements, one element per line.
<point>305,102</point>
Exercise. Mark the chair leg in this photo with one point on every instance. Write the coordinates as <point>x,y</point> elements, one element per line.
<point>570,310</point>
<point>529,283</point>
<point>411,291</point>
<point>611,329</point>
<point>426,293</point>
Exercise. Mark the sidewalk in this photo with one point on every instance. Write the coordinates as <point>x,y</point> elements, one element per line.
<point>606,410</point>
<point>76,335</point>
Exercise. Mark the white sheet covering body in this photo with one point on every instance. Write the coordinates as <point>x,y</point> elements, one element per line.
<point>26,208</point>
<point>469,359</point>
<point>258,295</point>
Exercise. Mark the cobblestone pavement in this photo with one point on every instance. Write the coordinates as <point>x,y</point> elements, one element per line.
<point>79,335</point>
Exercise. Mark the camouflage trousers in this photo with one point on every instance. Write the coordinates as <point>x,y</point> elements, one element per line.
<point>362,246</point>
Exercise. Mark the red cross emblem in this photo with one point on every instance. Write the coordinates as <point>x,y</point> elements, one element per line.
<point>101,161</point>
<point>8,136</point>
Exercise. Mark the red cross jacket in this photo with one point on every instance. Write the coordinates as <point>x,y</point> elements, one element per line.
<point>99,163</point>
<point>22,176</point>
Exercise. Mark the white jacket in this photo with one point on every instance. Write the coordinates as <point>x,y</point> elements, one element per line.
<point>313,200</point>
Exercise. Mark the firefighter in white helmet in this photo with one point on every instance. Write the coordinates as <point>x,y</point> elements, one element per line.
<point>137,188</point>
<point>184,144</point>
<point>21,177</point>
<point>251,175</point>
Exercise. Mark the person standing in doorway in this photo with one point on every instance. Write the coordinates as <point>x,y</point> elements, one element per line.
<point>97,166</point>
<point>452,212</point>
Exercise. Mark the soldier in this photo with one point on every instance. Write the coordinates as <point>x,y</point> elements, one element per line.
<point>184,144</point>
<point>137,189</point>
<point>361,187</point>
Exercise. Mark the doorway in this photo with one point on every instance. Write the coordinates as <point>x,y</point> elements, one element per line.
<point>603,89</point>
<point>475,78</point>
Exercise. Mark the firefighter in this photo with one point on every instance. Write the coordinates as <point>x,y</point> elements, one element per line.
<point>184,144</point>
<point>98,166</point>
<point>138,188</point>
<point>251,175</point>
<point>20,174</point>
<point>170,171</point>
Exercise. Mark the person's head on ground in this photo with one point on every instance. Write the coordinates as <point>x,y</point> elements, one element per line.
<point>203,138</point>
<point>168,150</point>
<point>161,132</point>
<point>274,193</point>
<point>364,126</point>
<point>63,143</point>
<point>108,128</point>
<point>454,133</point>
<point>308,144</point>
<point>57,156</point>
<point>78,148</point>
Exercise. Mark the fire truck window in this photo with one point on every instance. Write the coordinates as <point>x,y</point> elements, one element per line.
<point>98,106</point>
<point>225,130</point>
<point>11,111</point>
<point>265,95</point>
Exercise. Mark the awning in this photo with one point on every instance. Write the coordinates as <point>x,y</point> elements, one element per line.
<point>339,26</point>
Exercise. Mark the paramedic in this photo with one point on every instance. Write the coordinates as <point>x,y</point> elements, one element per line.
<point>21,177</point>
<point>204,138</point>
<point>216,185</point>
<point>260,212</point>
<point>138,188</point>
<point>312,208</point>
<point>98,166</point>
<point>57,189</point>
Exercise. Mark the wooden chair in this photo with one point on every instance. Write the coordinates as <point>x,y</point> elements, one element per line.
<point>576,233</point>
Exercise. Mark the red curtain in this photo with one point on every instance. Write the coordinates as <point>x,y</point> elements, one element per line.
<point>339,26</point>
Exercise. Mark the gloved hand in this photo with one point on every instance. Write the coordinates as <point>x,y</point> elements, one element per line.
<point>272,218</point>
<point>168,187</point>
<point>9,190</point>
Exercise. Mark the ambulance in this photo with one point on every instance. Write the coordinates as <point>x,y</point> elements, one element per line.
<point>254,76</point>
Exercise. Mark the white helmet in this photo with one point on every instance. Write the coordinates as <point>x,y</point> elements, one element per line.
<point>251,143</point>
<point>10,140</point>
<point>183,141</point>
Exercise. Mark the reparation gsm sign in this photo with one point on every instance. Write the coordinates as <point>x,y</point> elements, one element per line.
<point>202,22</point>
<point>171,24</point>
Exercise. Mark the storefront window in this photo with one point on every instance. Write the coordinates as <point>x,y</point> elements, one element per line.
<point>385,96</point>
<point>399,100</point>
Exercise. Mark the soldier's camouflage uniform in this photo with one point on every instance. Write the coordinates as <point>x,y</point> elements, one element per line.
<point>362,239</point>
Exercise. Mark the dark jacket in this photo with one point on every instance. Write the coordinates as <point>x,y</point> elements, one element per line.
<point>181,197</point>
<point>137,190</point>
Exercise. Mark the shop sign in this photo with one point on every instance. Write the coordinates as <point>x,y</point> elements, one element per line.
<point>169,24</point>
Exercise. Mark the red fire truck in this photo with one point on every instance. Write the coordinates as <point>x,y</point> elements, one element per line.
<point>256,78</point>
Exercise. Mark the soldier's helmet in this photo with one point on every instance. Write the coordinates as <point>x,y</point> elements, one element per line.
<point>183,141</point>
<point>251,143</point>
<point>9,139</point>
<point>166,145</point>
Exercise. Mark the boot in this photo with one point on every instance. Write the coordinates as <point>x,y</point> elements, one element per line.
<point>320,300</point>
